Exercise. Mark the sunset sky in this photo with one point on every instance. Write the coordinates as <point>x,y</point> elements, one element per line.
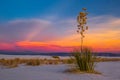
<point>50,25</point>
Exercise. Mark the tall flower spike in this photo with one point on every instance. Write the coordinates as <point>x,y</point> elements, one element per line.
<point>82,21</point>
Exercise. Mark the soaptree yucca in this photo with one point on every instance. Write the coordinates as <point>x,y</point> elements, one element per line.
<point>83,56</point>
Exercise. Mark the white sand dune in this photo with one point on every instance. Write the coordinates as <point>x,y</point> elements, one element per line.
<point>38,56</point>
<point>29,56</point>
<point>109,70</point>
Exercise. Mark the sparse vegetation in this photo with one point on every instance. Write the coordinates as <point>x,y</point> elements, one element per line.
<point>12,63</point>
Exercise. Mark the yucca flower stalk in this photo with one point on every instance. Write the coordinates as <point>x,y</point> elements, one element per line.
<point>82,21</point>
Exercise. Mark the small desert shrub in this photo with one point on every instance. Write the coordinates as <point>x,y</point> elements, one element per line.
<point>56,57</point>
<point>84,60</point>
<point>33,62</point>
<point>70,61</point>
<point>9,63</point>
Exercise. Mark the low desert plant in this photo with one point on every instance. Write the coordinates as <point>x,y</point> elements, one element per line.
<point>70,61</point>
<point>84,60</point>
<point>10,63</point>
<point>56,57</point>
<point>33,62</point>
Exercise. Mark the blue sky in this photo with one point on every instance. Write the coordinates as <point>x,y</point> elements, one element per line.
<point>13,9</point>
<point>30,24</point>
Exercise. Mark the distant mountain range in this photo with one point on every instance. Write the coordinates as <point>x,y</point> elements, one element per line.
<point>54,54</point>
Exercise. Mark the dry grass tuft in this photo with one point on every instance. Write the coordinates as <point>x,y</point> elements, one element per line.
<point>33,62</point>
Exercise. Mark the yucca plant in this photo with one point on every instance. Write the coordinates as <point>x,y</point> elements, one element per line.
<point>83,56</point>
<point>84,60</point>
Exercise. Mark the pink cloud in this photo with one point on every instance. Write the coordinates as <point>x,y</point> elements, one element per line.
<point>7,46</point>
<point>42,47</point>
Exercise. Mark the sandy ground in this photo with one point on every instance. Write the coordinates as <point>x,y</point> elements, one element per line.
<point>30,56</point>
<point>38,56</point>
<point>109,70</point>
